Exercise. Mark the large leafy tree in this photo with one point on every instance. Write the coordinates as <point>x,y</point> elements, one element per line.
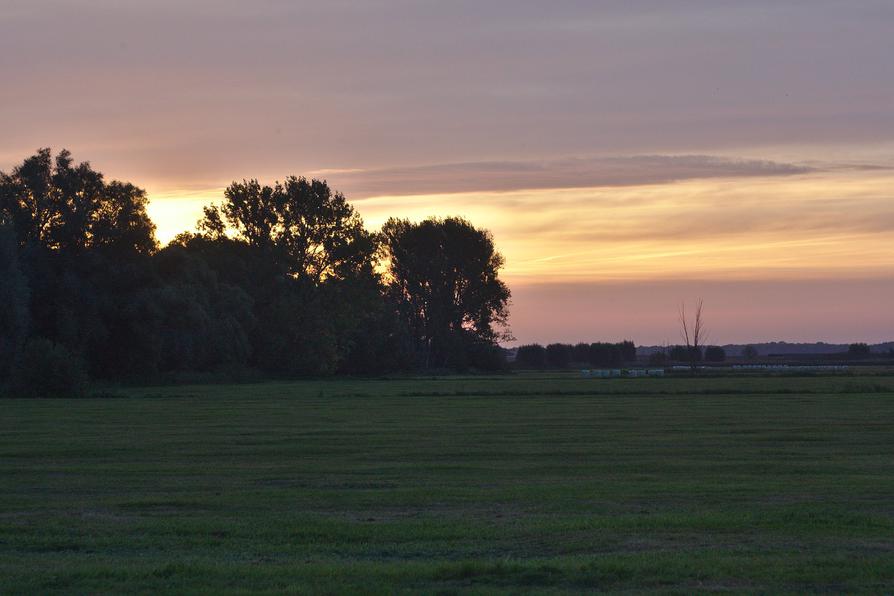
<point>313,232</point>
<point>70,208</point>
<point>14,297</point>
<point>319,302</point>
<point>85,246</point>
<point>444,277</point>
<point>279,278</point>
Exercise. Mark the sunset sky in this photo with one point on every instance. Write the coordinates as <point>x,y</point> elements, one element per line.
<point>626,155</point>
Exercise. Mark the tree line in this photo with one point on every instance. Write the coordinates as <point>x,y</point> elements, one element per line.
<point>280,280</point>
<point>694,354</point>
<point>559,355</point>
<point>608,355</point>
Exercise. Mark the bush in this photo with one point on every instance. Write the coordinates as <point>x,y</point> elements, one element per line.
<point>47,369</point>
<point>859,350</point>
<point>14,298</point>
<point>684,354</point>
<point>487,357</point>
<point>715,354</point>
<point>657,359</point>
<point>558,355</point>
<point>606,354</point>
<point>530,356</point>
<point>580,353</point>
<point>749,353</point>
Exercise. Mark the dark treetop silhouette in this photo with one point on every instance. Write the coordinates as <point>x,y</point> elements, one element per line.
<point>443,275</point>
<point>280,279</point>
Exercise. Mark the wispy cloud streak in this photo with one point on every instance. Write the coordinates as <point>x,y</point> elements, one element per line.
<point>577,172</point>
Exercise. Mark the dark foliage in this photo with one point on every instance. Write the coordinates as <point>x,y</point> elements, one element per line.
<point>612,354</point>
<point>580,353</point>
<point>715,354</point>
<point>47,369</point>
<point>558,355</point>
<point>531,356</point>
<point>658,359</point>
<point>312,232</point>
<point>14,298</point>
<point>57,205</point>
<point>443,282</point>
<point>858,350</point>
<point>684,354</point>
<point>280,279</point>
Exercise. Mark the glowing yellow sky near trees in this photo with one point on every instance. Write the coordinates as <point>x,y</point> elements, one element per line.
<point>804,257</point>
<point>807,226</point>
<point>737,150</point>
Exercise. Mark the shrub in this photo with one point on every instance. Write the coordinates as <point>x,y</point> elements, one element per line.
<point>484,356</point>
<point>715,354</point>
<point>657,359</point>
<point>580,353</point>
<point>47,369</point>
<point>606,354</point>
<point>684,354</point>
<point>530,356</point>
<point>558,355</point>
<point>859,350</point>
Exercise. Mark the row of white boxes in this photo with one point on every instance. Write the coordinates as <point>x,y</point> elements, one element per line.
<point>609,373</point>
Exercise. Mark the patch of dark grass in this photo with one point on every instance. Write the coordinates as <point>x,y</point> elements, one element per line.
<point>543,483</point>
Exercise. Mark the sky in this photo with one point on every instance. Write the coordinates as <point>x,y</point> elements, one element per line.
<point>627,155</point>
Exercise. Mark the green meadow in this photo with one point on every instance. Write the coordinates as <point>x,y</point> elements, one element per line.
<point>522,483</point>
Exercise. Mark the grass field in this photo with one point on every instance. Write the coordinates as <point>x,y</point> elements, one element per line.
<point>523,483</point>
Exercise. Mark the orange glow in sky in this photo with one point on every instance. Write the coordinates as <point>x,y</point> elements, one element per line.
<point>807,226</point>
<point>625,155</point>
<point>801,232</point>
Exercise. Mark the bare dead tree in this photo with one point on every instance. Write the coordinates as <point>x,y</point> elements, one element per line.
<point>694,334</point>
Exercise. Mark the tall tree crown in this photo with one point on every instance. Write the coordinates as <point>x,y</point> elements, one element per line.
<point>313,231</point>
<point>70,208</point>
<point>445,275</point>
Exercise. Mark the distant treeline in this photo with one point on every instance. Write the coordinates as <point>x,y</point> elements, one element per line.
<point>715,354</point>
<point>602,354</point>
<point>683,354</point>
<point>558,355</point>
<point>782,348</point>
<point>280,280</point>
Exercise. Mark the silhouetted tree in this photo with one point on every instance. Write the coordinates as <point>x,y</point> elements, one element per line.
<point>443,277</point>
<point>47,369</point>
<point>204,324</point>
<point>282,279</point>
<point>14,299</point>
<point>628,351</point>
<point>693,333</point>
<point>580,353</point>
<point>749,353</point>
<point>558,355</point>
<point>687,354</point>
<point>302,328</point>
<point>323,310</point>
<point>71,209</point>
<point>715,354</point>
<point>84,246</point>
<point>605,354</point>
<point>302,224</point>
<point>532,356</point>
<point>858,350</point>
<point>657,359</point>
